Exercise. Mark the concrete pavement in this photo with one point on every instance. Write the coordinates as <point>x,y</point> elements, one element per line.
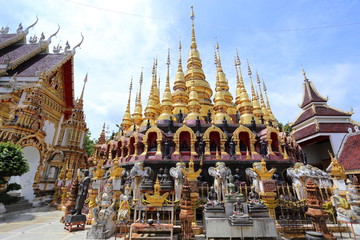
<point>36,224</point>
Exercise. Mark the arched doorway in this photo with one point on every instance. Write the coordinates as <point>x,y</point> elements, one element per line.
<point>26,180</point>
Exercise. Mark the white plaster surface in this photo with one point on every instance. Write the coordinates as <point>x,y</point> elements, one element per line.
<point>49,129</point>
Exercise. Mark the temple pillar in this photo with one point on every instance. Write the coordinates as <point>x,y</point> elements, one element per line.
<point>192,147</point>
<point>176,152</point>
<point>158,149</point>
<point>207,147</point>
<point>269,141</point>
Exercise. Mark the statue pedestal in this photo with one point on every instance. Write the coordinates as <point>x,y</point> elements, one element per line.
<point>75,222</point>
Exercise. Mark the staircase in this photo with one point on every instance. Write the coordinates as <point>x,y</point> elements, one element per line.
<point>20,205</point>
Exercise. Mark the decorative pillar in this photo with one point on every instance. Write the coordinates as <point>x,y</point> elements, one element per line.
<point>315,211</point>
<point>267,187</point>
<point>191,177</point>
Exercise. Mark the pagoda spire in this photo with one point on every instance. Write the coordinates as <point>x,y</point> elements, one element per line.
<point>220,108</point>
<point>310,95</point>
<point>166,104</point>
<point>243,103</point>
<point>79,105</point>
<point>256,106</point>
<point>180,97</point>
<point>193,106</point>
<point>126,122</point>
<point>137,115</point>
<point>102,139</point>
<point>271,115</point>
<point>262,102</point>
<point>195,75</point>
<point>152,109</point>
<point>222,82</point>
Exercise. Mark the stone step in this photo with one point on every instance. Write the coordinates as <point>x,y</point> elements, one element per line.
<point>20,205</point>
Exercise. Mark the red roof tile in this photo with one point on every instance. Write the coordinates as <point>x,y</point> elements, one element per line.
<point>350,153</point>
<point>305,132</point>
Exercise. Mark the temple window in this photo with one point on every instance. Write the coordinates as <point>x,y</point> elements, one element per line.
<point>184,141</point>
<point>275,142</point>
<point>244,142</point>
<point>214,142</point>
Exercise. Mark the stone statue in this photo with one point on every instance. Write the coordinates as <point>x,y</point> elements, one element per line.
<point>171,125</point>
<point>104,226</point>
<point>353,198</point>
<point>220,173</point>
<point>239,215</point>
<point>263,150</point>
<point>166,183</point>
<point>201,147</point>
<point>253,195</point>
<point>136,176</point>
<point>298,177</point>
<point>167,149</point>
<point>124,209</point>
<point>230,187</point>
<point>148,124</point>
<point>180,116</point>
<point>225,125</point>
<point>237,177</point>
<point>212,198</point>
<point>198,126</point>
<point>232,148</point>
<point>178,176</point>
<point>82,192</point>
<point>209,116</point>
<point>343,209</point>
<point>237,117</point>
<point>253,125</point>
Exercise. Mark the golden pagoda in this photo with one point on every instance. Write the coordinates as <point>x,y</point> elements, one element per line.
<point>156,200</point>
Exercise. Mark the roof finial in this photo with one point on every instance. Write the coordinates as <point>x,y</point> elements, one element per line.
<point>78,45</point>
<point>304,73</point>
<point>26,31</point>
<point>249,69</point>
<point>54,34</point>
<point>82,92</point>
<point>193,40</point>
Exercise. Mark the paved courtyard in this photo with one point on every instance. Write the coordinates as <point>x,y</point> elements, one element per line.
<point>36,224</point>
<point>43,223</point>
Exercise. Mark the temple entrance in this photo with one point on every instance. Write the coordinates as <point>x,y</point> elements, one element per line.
<point>26,181</point>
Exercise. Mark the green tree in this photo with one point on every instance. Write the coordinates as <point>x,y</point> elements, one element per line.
<point>89,143</point>
<point>12,161</point>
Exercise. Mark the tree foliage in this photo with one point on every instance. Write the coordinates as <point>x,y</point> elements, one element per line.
<point>89,143</point>
<point>12,161</point>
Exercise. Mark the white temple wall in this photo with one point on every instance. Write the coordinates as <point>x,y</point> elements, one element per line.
<point>49,129</point>
<point>26,180</point>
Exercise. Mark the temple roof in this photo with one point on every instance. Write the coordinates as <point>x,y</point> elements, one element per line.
<point>323,110</point>
<point>310,94</point>
<point>8,39</point>
<point>349,154</point>
<point>37,63</point>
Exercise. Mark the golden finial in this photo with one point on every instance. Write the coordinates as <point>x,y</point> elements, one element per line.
<point>116,171</point>
<point>166,103</point>
<point>249,69</point>
<point>192,15</point>
<point>271,115</point>
<point>215,58</point>
<point>137,115</point>
<point>180,60</point>
<point>190,173</point>
<point>126,122</point>
<point>337,169</point>
<point>262,172</point>
<point>156,200</point>
<point>193,40</point>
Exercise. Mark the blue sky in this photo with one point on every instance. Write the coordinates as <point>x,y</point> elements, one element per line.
<point>277,37</point>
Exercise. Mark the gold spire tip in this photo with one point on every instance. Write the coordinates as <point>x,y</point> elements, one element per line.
<point>249,69</point>
<point>192,15</point>
<point>168,57</point>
